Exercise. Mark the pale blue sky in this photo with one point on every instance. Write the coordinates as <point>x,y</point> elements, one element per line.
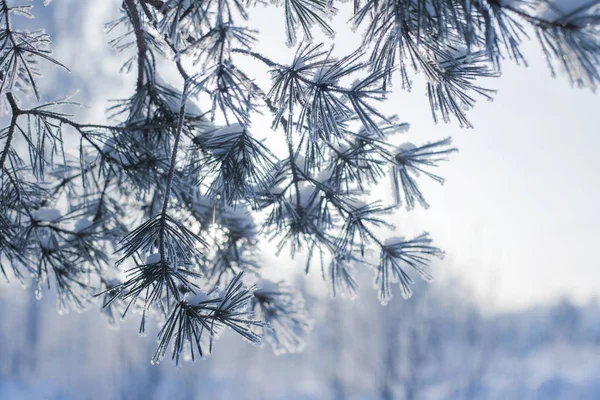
<point>519,212</point>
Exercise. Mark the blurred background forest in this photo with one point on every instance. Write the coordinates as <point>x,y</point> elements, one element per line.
<point>437,345</point>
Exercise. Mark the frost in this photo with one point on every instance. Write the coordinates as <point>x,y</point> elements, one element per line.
<point>23,11</point>
<point>283,310</point>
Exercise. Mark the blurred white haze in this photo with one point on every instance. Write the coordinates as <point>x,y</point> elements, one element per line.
<point>518,218</point>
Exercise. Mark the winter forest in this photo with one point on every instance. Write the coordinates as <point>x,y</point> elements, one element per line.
<point>299,199</point>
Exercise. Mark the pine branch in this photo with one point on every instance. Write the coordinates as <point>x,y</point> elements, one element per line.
<point>170,167</point>
<point>169,181</point>
<point>294,169</point>
<point>134,17</point>
<point>11,129</point>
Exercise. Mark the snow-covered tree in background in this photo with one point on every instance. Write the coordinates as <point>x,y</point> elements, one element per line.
<point>160,209</point>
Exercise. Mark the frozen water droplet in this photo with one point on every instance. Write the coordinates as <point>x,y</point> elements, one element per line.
<point>38,294</point>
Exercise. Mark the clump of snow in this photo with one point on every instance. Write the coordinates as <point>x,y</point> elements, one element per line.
<point>299,63</point>
<point>220,139</point>
<point>267,286</point>
<point>324,175</point>
<point>112,277</point>
<point>430,9</point>
<point>192,108</point>
<point>153,258</point>
<point>46,240</point>
<point>306,191</point>
<point>241,216</point>
<point>279,188</point>
<point>83,224</point>
<point>46,214</point>
<point>344,146</point>
<point>322,76</point>
<point>47,243</point>
<point>406,147</point>
<point>394,240</point>
<point>196,298</point>
<point>175,106</point>
<point>300,162</point>
<point>110,148</point>
<point>225,304</point>
<point>401,127</point>
<point>357,203</point>
<point>229,130</point>
<point>356,83</point>
<point>201,203</point>
<point>558,9</point>
<point>403,154</point>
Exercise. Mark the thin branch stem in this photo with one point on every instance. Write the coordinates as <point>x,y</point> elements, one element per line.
<point>11,129</point>
<point>259,57</point>
<point>139,38</point>
<point>295,175</point>
<point>163,214</point>
<point>159,6</point>
<point>273,64</point>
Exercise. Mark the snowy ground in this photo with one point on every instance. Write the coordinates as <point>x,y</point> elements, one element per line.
<point>442,347</point>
